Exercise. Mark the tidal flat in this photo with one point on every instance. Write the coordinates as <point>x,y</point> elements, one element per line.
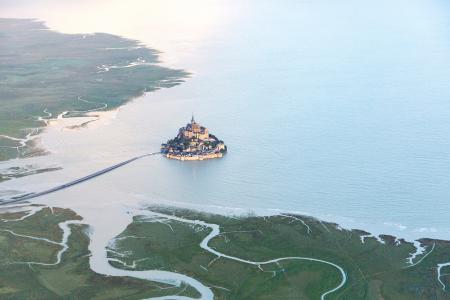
<point>45,74</point>
<point>247,257</point>
<point>268,257</point>
<point>40,261</point>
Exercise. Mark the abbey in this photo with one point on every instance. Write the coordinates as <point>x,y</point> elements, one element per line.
<point>194,142</point>
<point>194,130</point>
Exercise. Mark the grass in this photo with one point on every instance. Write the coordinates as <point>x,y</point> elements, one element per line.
<point>375,270</point>
<point>17,172</point>
<point>41,69</point>
<point>72,278</point>
<point>43,224</point>
<point>155,246</point>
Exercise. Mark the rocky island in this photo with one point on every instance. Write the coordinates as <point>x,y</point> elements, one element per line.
<point>194,142</point>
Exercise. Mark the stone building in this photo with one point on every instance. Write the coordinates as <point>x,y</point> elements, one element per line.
<point>194,130</point>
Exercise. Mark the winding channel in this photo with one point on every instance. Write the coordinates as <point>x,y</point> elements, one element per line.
<point>157,275</point>
<point>103,266</point>
<point>215,231</point>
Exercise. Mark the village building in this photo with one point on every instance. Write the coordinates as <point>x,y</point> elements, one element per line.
<point>194,142</point>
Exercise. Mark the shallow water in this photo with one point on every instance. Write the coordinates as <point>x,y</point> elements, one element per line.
<point>335,109</point>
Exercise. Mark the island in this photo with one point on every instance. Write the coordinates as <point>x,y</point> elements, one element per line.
<point>194,142</point>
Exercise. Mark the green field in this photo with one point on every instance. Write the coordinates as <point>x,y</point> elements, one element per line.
<point>44,72</point>
<point>70,279</point>
<point>375,270</point>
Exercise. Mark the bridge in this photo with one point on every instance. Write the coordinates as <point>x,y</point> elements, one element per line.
<point>75,182</point>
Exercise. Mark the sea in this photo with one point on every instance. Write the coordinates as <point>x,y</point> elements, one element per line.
<point>335,109</point>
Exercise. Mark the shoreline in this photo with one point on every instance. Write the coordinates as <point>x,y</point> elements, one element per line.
<point>63,123</point>
<point>247,211</point>
<point>233,211</point>
<point>106,255</point>
<point>112,69</point>
<point>194,157</point>
<point>331,218</point>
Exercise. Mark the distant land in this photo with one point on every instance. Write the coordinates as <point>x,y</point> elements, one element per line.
<point>44,73</point>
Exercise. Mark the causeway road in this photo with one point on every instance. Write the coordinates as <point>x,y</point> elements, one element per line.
<point>75,182</point>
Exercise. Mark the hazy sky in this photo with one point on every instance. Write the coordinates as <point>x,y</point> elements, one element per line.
<point>161,24</point>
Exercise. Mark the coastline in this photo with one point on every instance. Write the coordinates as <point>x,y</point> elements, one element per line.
<point>238,238</point>
<point>112,70</point>
<point>377,225</point>
<point>150,197</point>
<point>101,118</point>
<point>194,157</point>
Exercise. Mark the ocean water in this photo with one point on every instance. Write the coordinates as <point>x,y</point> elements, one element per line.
<point>336,109</point>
